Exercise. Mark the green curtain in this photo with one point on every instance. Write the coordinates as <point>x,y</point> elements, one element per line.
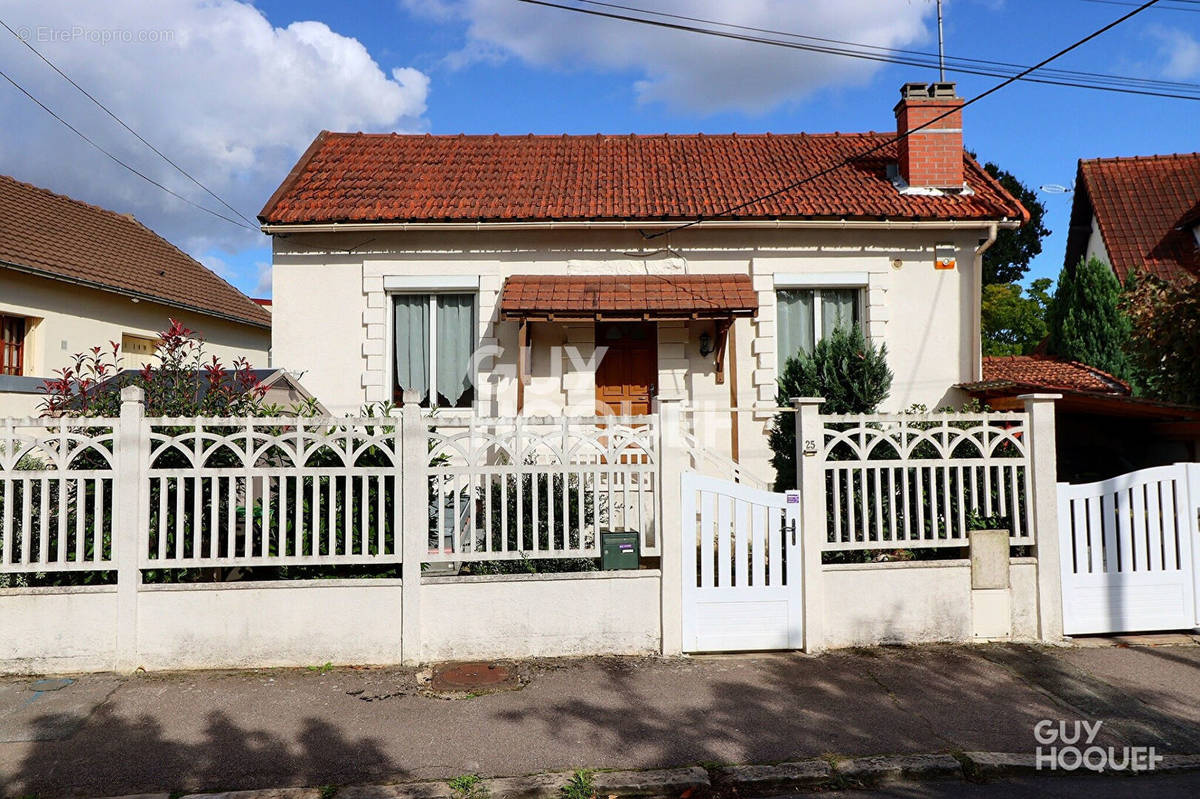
<point>838,309</point>
<point>455,344</point>
<point>794,323</point>
<point>412,343</point>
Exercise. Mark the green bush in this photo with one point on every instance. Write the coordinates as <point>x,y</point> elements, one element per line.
<point>848,371</point>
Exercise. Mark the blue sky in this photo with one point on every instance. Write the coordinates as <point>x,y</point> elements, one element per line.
<point>483,66</point>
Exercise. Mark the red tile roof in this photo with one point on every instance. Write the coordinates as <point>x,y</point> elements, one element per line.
<point>655,296</point>
<point>1146,208</point>
<point>357,177</point>
<point>49,234</point>
<point>1045,373</point>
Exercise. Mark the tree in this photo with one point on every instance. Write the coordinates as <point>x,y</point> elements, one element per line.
<point>1086,322</point>
<point>1007,260</point>
<point>1013,319</point>
<point>1164,344</point>
<point>847,370</point>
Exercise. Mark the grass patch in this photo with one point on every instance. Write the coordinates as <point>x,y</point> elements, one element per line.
<point>467,786</point>
<point>582,785</point>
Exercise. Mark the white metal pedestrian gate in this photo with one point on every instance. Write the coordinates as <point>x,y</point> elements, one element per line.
<point>1129,555</point>
<point>741,567</point>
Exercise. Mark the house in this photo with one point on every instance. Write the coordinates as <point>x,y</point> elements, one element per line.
<point>551,275</point>
<point>74,276</point>
<point>1138,215</point>
<point>1102,429</point>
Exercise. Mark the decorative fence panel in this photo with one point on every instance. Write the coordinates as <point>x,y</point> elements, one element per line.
<point>919,481</point>
<point>57,496</point>
<point>272,492</point>
<point>512,488</point>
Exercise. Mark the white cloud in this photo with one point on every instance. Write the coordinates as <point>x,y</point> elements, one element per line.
<point>1180,52</point>
<point>688,71</point>
<point>209,82</point>
<point>262,270</point>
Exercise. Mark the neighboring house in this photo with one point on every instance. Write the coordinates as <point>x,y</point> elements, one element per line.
<point>1138,215</point>
<point>281,388</point>
<point>1102,429</point>
<point>74,276</point>
<point>547,275</point>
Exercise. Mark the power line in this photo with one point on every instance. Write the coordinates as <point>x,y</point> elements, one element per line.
<point>900,51</point>
<point>1157,8</point>
<point>141,175</point>
<point>874,148</point>
<point>1081,82</point>
<point>121,122</point>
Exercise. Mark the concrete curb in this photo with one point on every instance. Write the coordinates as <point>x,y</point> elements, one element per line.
<point>746,780</point>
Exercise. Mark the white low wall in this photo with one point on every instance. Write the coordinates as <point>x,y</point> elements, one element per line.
<point>279,623</point>
<point>912,602</point>
<point>57,629</point>
<point>215,625</point>
<point>310,622</point>
<point>587,613</point>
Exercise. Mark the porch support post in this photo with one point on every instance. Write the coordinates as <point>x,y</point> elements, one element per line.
<point>672,463</point>
<point>1043,511</point>
<point>131,456</point>
<point>414,524</point>
<point>810,481</point>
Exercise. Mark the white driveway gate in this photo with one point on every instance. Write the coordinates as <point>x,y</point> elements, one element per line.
<point>741,567</point>
<point>1129,555</point>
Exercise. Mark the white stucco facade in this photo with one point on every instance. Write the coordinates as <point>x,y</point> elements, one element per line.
<point>331,311</point>
<point>65,318</point>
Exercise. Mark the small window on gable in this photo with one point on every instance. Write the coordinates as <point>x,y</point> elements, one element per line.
<point>137,351</point>
<point>433,342</point>
<point>12,345</point>
<point>805,316</point>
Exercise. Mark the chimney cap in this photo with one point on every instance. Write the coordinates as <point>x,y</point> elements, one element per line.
<point>928,91</point>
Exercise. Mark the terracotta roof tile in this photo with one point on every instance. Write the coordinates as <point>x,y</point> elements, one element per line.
<point>1146,208</point>
<point>593,295</point>
<point>47,233</point>
<point>1040,372</point>
<point>357,177</point>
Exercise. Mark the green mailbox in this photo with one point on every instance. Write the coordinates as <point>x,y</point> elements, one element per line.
<point>619,550</point>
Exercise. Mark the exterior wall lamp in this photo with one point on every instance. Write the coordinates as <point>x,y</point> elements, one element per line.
<point>706,344</point>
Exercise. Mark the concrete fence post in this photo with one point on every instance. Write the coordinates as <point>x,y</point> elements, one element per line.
<point>673,462</point>
<point>810,482</point>
<point>130,457</point>
<point>1043,507</point>
<point>414,523</point>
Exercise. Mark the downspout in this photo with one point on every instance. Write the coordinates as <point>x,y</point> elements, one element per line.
<point>977,303</point>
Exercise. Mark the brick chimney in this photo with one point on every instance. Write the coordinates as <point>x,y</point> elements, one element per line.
<point>933,156</point>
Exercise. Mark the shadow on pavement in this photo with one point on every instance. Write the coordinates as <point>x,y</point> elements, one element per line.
<point>137,757</point>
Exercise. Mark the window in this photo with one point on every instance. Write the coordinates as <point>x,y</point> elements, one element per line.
<point>137,351</point>
<point>433,339</point>
<point>805,316</point>
<point>12,345</point>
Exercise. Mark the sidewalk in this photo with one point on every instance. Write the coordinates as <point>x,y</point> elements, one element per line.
<point>106,735</point>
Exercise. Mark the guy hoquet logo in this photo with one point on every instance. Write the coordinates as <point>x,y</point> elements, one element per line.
<point>1071,745</point>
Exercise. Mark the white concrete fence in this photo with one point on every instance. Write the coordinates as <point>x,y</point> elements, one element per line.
<point>343,540</point>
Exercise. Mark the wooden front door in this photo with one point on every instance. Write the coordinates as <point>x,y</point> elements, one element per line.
<point>627,375</point>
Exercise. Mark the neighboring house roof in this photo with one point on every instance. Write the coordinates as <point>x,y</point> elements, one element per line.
<point>628,296</point>
<point>1084,389</point>
<point>358,177</point>
<point>54,236</point>
<point>1044,373</point>
<point>1146,208</point>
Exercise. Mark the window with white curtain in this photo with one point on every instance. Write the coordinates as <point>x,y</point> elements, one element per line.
<point>433,341</point>
<point>805,316</point>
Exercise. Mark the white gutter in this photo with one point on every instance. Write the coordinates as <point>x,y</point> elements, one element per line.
<point>776,224</point>
<point>993,231</point>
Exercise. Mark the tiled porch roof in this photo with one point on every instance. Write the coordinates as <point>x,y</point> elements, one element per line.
<point>627,296</point>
